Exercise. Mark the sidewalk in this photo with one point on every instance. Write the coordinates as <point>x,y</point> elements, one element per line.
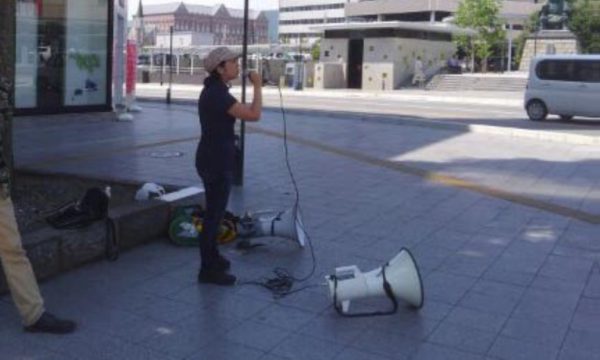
<point>508,99</point>
<point>503,278</point>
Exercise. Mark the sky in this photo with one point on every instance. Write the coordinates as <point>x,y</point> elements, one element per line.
<point>239,4</point>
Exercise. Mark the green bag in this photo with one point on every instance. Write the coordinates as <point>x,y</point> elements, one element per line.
<point>186,225</point>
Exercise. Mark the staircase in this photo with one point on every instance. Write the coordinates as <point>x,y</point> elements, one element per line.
<point>478,82</point>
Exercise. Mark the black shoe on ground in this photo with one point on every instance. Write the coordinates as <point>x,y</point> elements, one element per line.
<point>222,264</point>
<point>48,323</point>
<point>216,277</point>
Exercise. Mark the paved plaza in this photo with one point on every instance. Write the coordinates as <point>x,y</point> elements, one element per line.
<point>505,230</point>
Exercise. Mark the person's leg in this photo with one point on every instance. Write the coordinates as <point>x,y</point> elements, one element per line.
<point>208,243</point>
<point>217,195</point>
<point>19,274</point>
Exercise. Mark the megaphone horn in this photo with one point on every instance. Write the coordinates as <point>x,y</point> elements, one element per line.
<point>285,224</point>
<point>398,279</point>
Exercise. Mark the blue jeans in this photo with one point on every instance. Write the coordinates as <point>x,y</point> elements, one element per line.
<point>217,189</point>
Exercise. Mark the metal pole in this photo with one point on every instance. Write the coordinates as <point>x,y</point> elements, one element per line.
<point>162,65</point>
<point>510,52</point>
<point>241,139</point>
<point>170,65</point>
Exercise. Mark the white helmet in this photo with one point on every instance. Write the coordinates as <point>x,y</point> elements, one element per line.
<point>149,191</point>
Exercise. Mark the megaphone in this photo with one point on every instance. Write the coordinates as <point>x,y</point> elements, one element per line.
<point>286,224</point>
<point>399,278</point>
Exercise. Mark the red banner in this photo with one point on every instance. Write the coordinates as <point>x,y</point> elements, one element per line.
<point>131,67</point>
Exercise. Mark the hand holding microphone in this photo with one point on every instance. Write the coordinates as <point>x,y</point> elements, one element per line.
<point>254,78</point>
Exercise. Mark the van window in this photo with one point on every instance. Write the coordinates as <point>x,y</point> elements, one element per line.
<point>589,71</point>
<point>569,70</point>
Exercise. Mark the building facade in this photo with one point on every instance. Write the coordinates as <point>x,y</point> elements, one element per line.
<point>297,17</point>
<point>513,11</point>
<point>223,25</point>
<point>63,56</point>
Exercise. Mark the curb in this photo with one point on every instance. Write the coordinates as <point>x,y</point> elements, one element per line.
<point>543,135</point>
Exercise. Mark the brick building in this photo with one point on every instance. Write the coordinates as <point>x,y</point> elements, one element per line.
<point>224,24</point>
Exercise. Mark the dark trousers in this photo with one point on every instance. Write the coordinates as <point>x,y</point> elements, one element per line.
<point>217,189</point>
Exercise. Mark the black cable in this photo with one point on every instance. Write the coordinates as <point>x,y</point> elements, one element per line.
<point>281,285</point>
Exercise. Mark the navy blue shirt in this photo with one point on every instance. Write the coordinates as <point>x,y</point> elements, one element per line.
<point>216,150</point>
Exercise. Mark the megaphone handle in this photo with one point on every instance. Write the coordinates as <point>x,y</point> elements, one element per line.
<point>276,218</point>
<point>388,291</point>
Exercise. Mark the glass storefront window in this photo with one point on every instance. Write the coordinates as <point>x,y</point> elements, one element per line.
<point>62,57</point>
<point>26,54</point>
<point>86,52</point>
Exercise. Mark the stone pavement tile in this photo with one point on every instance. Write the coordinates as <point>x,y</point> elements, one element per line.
<point>511,349</point>
<point>226,350</point>
<point>476,319</point>
<point>582,340</point>
<point>492,297</point>
<point>302,347</point>
<point>429,258</point>
<point>387,343</point>
<point>532,331</point>
<point>577,354</point>
<point>558,285</point>
<point>331,327</point>
<point>96,345</point>
<point>585,321</point>
<point>238,307</point>
<point>167,284</point>
<point>182,341</point>
<point>258,336</point>
<point>547,306</point>
<point>353,354</point>
<point>434,310</point>
<point>581,236</point>
<point>167,310</point>
<point>447,288</point>
<point>447,239</point>
<point>592,288</point>
<point>136,329</point>
<point>283,316</point>
<point>465,263</point>
<point>428,351</point>
<point>311,301</point>
<point>568,269</point>
<point>463,338</point>
<point>273,357</point>
<point>589,305</point>
<point>408,322</point>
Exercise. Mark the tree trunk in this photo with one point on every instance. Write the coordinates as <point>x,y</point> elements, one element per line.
<point>7,63</point>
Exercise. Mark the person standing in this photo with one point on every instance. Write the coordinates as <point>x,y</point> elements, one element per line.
<point>17,268</point>
<point>419,76</point>
<point>215,156</point>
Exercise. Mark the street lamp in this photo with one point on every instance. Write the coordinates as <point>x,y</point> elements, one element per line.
<point>170,64</point>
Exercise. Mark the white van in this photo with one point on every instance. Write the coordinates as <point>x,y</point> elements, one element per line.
<point>564,85</point>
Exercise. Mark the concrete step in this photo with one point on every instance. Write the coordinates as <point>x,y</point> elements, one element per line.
<point>445,82</point>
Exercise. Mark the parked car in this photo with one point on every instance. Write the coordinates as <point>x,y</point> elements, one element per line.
<point>564,85</point>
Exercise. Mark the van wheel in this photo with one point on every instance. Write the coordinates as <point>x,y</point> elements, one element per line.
<point>566,117</point>
<point>536,110</point>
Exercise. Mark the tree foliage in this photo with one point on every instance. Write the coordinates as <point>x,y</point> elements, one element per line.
<point>584,22</point>
<point>315,50</point>
<point>482,16</point>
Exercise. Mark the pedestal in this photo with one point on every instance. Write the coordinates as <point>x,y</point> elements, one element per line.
<point>548,42</point>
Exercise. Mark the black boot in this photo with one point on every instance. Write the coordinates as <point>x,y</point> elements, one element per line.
<point>48,323</point>
<point>213,276</point>
<point>222,264</point>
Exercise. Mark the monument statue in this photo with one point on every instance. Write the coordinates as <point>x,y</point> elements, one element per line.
<point>554,15</point>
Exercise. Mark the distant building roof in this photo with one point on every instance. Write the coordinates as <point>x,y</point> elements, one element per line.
<point>172,7</point>
<point>167,8</point>
<point>408,25</point>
